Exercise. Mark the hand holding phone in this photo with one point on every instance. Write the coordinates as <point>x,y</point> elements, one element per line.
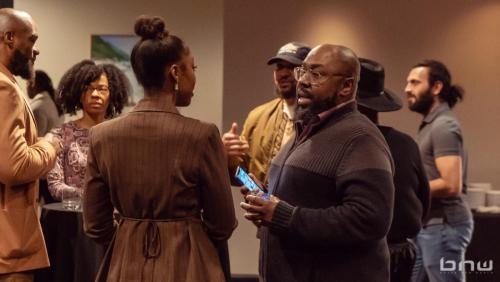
<point>246,180</point>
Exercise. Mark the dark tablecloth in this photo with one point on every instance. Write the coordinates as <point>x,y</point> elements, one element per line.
<point>73,256</point>
<point>485,246</point>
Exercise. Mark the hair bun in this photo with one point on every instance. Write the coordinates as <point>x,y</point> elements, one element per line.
<point>148,27</point>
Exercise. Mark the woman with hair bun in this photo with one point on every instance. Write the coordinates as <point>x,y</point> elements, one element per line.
<point>165,174</point>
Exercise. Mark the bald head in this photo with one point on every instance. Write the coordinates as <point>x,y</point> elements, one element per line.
<point>18,34</point>
<point>14,21</point>
<point>339,58</point>
<point>328,77</point>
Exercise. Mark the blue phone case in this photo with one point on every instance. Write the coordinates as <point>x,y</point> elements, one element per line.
<point>246,180</point>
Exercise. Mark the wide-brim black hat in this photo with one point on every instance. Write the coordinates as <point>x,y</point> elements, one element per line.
<point>371,92</point>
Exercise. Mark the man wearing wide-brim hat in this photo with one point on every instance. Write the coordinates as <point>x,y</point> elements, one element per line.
<point>412,197</point>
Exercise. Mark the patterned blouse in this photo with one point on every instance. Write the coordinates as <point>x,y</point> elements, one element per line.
<point>69,171</point>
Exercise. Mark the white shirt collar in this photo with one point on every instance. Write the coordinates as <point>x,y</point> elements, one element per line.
<point>289,110</point>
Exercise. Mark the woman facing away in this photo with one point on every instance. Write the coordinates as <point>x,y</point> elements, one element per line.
<point>166,174</point>
<point>100,91</point>
<point>48,114</point>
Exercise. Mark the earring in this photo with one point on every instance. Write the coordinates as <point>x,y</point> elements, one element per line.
<point>176,87</point>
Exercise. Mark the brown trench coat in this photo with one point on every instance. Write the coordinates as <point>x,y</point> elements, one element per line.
<point>167,176</point>
<point>23,159</point>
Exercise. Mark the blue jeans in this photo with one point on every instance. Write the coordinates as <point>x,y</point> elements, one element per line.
<point>437,246</point>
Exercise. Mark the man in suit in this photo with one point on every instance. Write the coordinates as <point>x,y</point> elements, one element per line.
<point>23,156</point>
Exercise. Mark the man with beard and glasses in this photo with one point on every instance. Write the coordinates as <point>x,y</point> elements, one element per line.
<point>448,230</point>
<point>331,188</point>
<point>23,156</point>
<point>269,126</point>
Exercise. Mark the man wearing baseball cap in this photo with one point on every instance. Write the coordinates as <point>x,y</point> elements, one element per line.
<point>412,196</point>
<point>269,126</point>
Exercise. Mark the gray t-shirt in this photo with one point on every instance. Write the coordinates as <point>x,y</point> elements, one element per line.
<point>440,135</point>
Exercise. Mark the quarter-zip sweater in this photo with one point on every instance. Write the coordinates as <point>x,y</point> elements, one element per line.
<point>336,190</point>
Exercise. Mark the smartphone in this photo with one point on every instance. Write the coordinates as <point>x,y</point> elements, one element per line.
<point>246,180</point>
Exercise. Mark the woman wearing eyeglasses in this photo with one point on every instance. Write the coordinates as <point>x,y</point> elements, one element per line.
<point>100,91</point>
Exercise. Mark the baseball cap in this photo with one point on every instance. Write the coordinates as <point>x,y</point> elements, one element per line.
<point>292,52</point>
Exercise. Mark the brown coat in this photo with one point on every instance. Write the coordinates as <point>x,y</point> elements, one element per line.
<point>23,160</point>
<point>166,175</point>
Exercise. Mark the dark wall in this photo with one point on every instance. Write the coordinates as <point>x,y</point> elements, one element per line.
<point>6,3</point>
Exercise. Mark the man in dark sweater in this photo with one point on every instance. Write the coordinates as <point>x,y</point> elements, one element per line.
<point>332,186</point>
<point>412,196</point>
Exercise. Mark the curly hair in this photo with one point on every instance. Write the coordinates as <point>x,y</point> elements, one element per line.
<point>76,80</point>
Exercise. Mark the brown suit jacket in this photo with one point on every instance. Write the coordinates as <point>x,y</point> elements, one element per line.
<point>23,159</point>
<point>167,176</point>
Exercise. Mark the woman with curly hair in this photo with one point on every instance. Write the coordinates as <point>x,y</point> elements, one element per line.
<point>100,91</point>
<point>165,173</point>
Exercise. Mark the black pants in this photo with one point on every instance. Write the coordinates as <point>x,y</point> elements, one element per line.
<point>402,260</point>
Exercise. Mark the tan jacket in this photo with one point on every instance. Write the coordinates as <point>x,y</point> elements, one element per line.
<point>261,130</point>
<point>23,160</point>
<point>166,175</point>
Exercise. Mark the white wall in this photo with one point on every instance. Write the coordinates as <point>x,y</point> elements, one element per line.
<point>65,27</point>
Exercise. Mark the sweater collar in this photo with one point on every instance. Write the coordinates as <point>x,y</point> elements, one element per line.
<point>337,111</point>
<point>307,128</point>
<point>332,113</point>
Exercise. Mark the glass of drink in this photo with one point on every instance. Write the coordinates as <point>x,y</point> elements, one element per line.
<point>72,198</point>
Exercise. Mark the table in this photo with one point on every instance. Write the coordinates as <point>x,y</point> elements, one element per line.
<point>484,246</point>
<point>73,256</point>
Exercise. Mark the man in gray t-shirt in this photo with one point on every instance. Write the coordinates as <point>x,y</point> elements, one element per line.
<point>440,140</point>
